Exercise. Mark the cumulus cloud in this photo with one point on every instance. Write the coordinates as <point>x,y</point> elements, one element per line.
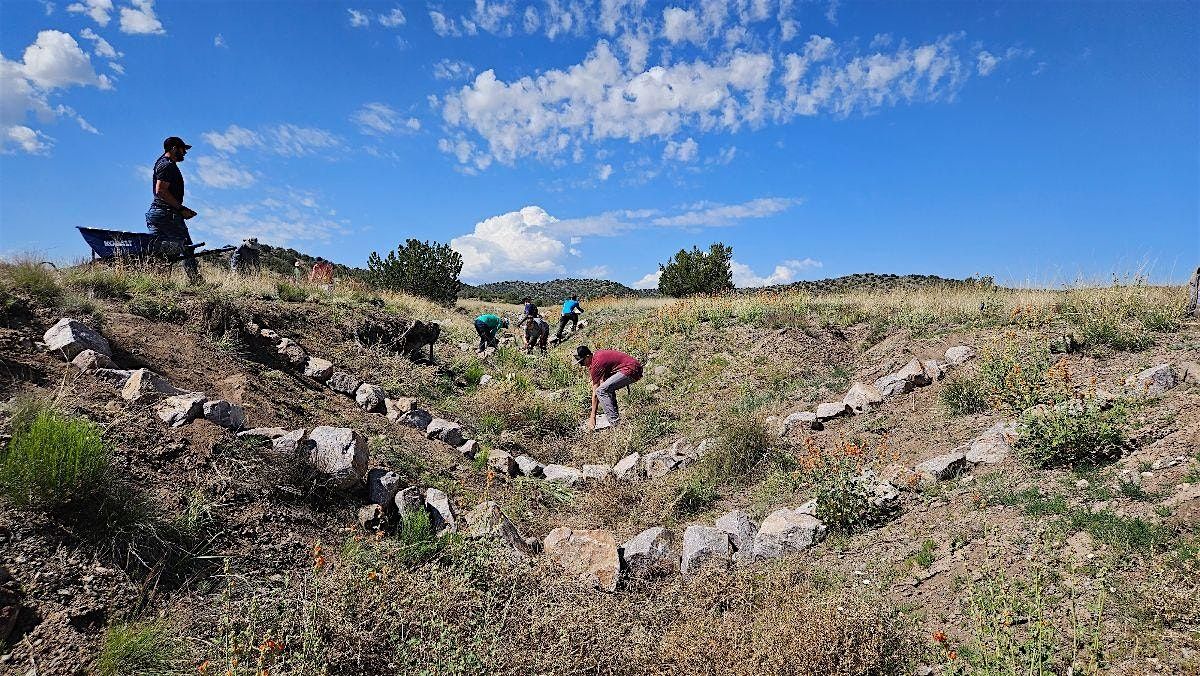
<point>98,10</point>
<point>102,47</point>
<point>287,140</point>
<point>683,151</point>
<point>140,19</point>
<point>556,114</point>
<point>518,242</point>
<point>358,19</point>
<point>784,273</point>
<point>220,172</point>
<point>649,281</point>
<point>393,18</point>
<point>449,69</point>
<point>53,62</point>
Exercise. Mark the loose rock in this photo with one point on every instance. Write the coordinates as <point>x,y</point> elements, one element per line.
<point>409,500</point>
<point>370,397</point>
<point>703,545</point>
<point>445,431</point>
<point>343,383</point>
<point>589,554</point>
<point>862,398</point>
<point>659,463</point>
<point>487,521</point>
<point>90,360</point>
<point>339,454</point>
<point>596,472</point>
<point>292,353</point>
<point>395,408</point>
<point>469,448</point>
<point>562,474</point>
<point>370,516</point>
<point>145,385</point>
<point>528,466</point>
<point>784,532</point>
<point>69,337</point>
<point>831,410</point>
<point>382,486</point>
<point>268,433</point>
<point>418,418</point>
<point>959,355</point>
<point>629,468</point>
<point>741,530</point>
<point>502,462</point>
<point>806,420</point>
<point>994,445</point>
<point>225,414</point>
<point>651,553</point>
<point>288,445</point>
<point>440,510</point>
<point>1154,381</point>
<point>945,466</point>
<point>180,409</point>
<point>318,369</point>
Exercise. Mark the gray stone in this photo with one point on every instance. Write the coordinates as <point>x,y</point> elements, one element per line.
<point>741,530</point>
<point>805,420</point>
<point>1189,372</point>
<point>912,375</point>
<point>786,531</point>
<point>597,472</point>
<point>959,355</point>
<point>440,510</point>
<point>69,337</point>
<point>292,353</point>
<point>994,445</point>
<point>934,369</point>
<point>223,413</point>
<point>288,445</point>
<point>659,463</point>
<point>489,522</point>
<point>343,383</point>
<point>395,408</point>
<point>115,377</point>
<point>809,507</point>
<point>269,433</point>
<point>269,335</point>
<point>629,468</point>
<point>651,553</point>
<point>881,495</point>
<point>901,476</point>
<point>370,516</point>
<point>831,410</point>
<point>485,379</point>
<point>945,466</point>
<point>90,360</point>
<point>862,398</point>
<point>469,448</point>
<point>590,555</point>
<point>502,462</point>
<point>445,431</point>
<point>917,371</point>
<point>602,422</point>
<point>370,397</point>
<point>529,466</point>
<point>418,418</point>
<point>703,545</point>
<point>180,409</point>
<point>409,500</point>
<point>562,474</point>
<point>339,454</point>
<point>318,369</point>
<point>1154,381</point>
<point>382,486</point>
<point>145,386</point>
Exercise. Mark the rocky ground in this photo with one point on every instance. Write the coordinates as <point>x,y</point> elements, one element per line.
<point>796,488</point>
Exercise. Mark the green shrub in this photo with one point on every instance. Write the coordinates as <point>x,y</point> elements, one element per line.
<point>697,494</point>
<point>1017,374</point>
<point>842,501</point>
<point>291,293</point>
<point>473,374</point>
<point>1122,533</point>
<point>1113,332</point>
<point>52,460</point>
<point>696,271</point>
<point>426,269</point>
<point>1067,436</point>
<point>219,313</point>
<point>963,396</point>
<point>417,538</point>
<point>743,445</point>
<point>925,557</point>
<point>145,650</point>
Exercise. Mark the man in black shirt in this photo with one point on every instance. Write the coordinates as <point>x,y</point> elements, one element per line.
<point>167,213</point>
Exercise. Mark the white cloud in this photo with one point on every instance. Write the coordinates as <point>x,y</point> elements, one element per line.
<point>513,243</point>
<point>282,220</point>
<point>377,119</point>
<point>448,69</point>
<point>831,11</point>
<point>287,140</point>
<point>684,151</point>
<point>219,41</point>
<point>594,272</point>
<point>48,6</point>
<point>27,140</point>
<point>55,61</point>
<point>98,10</point>
<point>650,281</point>
<point>493,17</point>
<point>986,62</point>
<point>358,19</point>
<point>784,273</point>
<point>680,25</point>
<point>116,67</point>
<point>140,19</point>
<point>724,156</point>
<point>604,172</point>
<point>718,215</point>
<point>219,172</point>
<point>530,21</point>
<point>442,24</point>
<point>393,18</point>
<point>102,47</point>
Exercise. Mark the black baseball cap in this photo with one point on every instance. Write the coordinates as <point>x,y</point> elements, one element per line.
<point>173,142</point>
<point>582,352</point>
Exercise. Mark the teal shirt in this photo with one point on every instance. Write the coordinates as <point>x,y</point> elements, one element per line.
<point>569,305</point>
<point>492,321</point>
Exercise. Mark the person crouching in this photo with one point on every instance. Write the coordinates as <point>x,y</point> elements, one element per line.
<point>610,370</point>
<point>487,326</point>
<point>537,333</point>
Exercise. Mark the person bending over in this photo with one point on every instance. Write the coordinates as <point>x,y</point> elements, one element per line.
<point>487,326</point>
<point>610,370</point>
<point>537,334</point>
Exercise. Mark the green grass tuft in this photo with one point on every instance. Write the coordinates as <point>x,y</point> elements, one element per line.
<point>52,460</point>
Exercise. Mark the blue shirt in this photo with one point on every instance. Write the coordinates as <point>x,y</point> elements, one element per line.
<point>569,305</point>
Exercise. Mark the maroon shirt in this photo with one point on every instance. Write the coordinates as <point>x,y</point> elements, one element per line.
<point>607,362</point>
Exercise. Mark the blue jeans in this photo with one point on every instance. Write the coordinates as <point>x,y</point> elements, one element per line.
<point>172,236</point>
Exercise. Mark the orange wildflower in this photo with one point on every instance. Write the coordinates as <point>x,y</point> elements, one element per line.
<point>939,636</point>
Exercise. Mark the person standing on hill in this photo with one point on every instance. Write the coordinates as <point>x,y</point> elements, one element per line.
<point>487,326</point>
<point>322,274</point>
<point>166,216</point>
<point>570,313</point>
<point>610,370</point>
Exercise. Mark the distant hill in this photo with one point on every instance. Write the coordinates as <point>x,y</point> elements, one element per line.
<point>546,293</point>
<point>877,282</point>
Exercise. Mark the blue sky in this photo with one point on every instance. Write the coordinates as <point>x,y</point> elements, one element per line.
<point>1036,142</point>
